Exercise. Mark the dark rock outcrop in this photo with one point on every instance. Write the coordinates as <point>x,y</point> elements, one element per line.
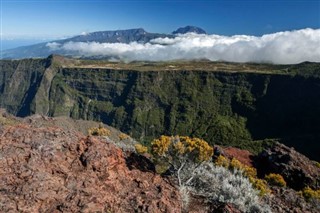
<point>297,170</point>
<point>53,170</point>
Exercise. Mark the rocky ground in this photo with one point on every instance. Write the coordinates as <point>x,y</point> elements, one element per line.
<point>49,169</point>
<point>51,165</point>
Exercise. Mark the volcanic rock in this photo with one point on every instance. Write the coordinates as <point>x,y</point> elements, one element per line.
<point>283,200</point>
<point>244,156</point>
<point>297,170</point>
<point>55,170</point>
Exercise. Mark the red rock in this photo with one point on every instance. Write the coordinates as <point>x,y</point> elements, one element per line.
<point>53,170</point>
<point>244,156</point>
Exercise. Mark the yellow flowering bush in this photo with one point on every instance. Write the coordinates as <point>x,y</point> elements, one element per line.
<point>99,131</point>
<point>310,194</point>
<point>140,148</point>
<point>195,148</point>
<point>160,146</point>
<point>260,185</point>
<point>222,161</point>
<point>123,136</point>
<point>275,179</point>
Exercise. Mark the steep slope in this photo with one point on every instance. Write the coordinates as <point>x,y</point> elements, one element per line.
<point>221,107</point>
<point>19,82</point>
<point>234,104</point>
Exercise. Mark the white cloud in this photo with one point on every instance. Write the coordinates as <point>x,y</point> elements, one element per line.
<point>281,48</point>
<point>53,45</point>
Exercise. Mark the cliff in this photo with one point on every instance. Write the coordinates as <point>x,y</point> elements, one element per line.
<point>224,103</point>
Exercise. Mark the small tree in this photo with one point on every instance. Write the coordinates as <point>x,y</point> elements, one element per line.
<point>183,154</point>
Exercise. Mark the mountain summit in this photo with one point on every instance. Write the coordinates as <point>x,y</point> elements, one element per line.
<point>189,29</point>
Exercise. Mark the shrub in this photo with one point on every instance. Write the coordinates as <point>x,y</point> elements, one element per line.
<point>230,186</point>
<point>310,194</point>
<point>189,160</point>
<point>249,172</point>
<point>260,185</point>
<point>192,148</point>
<point>99,131</point>
<point>275,179</point>
<point>181,154</point>
<point>222,161</point>
<point>140,148</point>
<point>123,136</point>
<point>236,164</point>
<point>160,146</point>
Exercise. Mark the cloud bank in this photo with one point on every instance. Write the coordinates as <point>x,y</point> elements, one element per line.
<point>287,47</point>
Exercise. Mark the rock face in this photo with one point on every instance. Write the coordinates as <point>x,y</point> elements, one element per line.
<point>54,170</point>
<point>297,170</point>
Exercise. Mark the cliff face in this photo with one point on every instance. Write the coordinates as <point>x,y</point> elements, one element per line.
<point>220,107</point>
<point>234,108</point>
<point>19,81</point>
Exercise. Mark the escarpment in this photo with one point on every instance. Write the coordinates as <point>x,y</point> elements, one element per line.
<point>228,105</point>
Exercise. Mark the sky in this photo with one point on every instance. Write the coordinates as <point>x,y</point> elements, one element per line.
<point>56,18</point>
<point>26,22</point>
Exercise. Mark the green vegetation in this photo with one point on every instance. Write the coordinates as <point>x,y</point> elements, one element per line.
<point>224,103</point>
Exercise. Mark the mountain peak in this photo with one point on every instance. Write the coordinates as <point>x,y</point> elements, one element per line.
<point>189,29</point>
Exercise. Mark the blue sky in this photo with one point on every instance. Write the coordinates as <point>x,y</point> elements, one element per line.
<point>36,20</point>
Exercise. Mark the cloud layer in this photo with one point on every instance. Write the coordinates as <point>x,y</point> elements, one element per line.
<point>281,48</point>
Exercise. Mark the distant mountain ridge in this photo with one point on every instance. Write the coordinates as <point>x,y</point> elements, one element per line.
<point>138,35</point>
<point>118,36</point>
